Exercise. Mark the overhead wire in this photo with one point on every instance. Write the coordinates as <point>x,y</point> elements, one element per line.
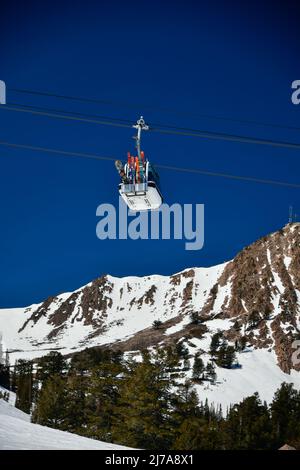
<point>67,112</point>
<point>125,123</point>
<point>167,130</point>
<point>64,116</point>
<point>161,166</point>
<point>154,108</point>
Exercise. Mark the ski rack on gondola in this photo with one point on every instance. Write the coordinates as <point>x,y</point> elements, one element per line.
<point>139,185</point>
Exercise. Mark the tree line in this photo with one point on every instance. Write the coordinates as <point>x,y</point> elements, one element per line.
<point>149,403</point>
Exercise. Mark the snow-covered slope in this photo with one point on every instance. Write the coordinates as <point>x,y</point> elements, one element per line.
<point>257,371</point>
<point>254,298</point>
<point>104,311</point>
<point>17,433</point>
<point>12,395</point>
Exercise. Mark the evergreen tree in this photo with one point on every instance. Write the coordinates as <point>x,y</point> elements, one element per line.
<point>200,430</point>
<point>156,324</point>
<point>23,371</point>
<point>248,425</point>
<point>172,360</point>
<point>52,404</point>
<point>102,398</point>
<point>142,405</point>
<point>215,343</point>
<point>285,415</point>
<point>185,402</point>
<point>198,434</point>
<point>75,410</point>
<point>4,376</point>
<point>85,360</point>
<point>210,372</point>
<point>117,357</point>
<point>206,410</point>
<point>198,368</point>
<point>13,379</point>
<point>185,408</point>
<point>225,356</point>
<point>188,434</point>
<point>194,316</point>
<point>50,365</point>
<point>181,350</point>
<point>143,409</point>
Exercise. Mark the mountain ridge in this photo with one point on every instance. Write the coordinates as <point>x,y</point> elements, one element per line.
<point>253,299</point>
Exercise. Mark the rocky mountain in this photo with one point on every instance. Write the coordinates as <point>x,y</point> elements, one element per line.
<point>254,299</point>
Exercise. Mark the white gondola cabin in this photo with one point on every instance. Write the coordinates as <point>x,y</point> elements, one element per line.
<point>139,186</point>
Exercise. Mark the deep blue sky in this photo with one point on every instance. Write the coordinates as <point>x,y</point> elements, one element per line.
<point>200,58</point>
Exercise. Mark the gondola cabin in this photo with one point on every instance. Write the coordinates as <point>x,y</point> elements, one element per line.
<point>141,193</point>
<point>139,186</point>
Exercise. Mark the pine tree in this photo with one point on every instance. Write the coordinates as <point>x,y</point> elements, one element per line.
<point>215,343</point>
<point>117,357</point>
<point>172,361</point>
<point>13,379</point>
<point>156,324</point>
<point>285,415</point>
<point>4,376</point>
<point>188,434</point>
<point>185,401</point>
<point>143,409</point>
<point>225,356</point>
<point>85,360</point>
<point>185,409</point>
<point>194,316</point>
<point>206,410</point>
<point>248,425</point>
<point>198,434</point>
<point>102,398</point>
<point>50,365</point>
<point>23,371</point>
<point>182,350</point>
<point>210,372</point>
<point>51,407</point>
<point>200,430</point>
<point>75,418</point>
<point>198,368</point>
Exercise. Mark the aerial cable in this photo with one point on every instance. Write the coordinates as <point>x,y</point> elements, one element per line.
<point>58,152</point>
<point>227,137</point>
<point>163,167</point>
<point>149,107</point>
<point>172,131</point>
<point>65,117</point>
<point>75,113</point>
<point>228,176</point>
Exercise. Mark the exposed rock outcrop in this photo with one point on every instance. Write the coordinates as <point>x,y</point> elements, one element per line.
<point>259,291</point>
